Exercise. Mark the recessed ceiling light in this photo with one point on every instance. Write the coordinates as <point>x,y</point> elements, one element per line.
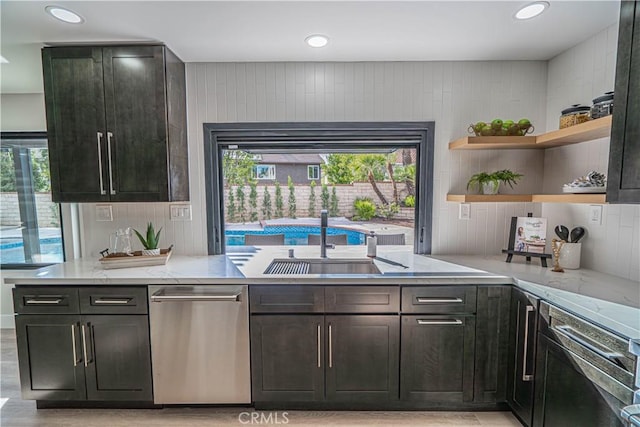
<point>64,15</point>
<point>317,40</point>
<point>3,60</point>
<point>532,10</point>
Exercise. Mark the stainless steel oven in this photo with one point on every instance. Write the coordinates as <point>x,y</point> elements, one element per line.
<point>200,344</point>
<point>585,374</point>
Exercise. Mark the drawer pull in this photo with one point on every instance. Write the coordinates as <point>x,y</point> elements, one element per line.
<point>572,334</point>
<point>43,301</point>
<point>440,322</point>
<point>439,300</point>
<point>111,301</point>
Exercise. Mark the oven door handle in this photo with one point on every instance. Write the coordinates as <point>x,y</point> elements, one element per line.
<point>568,332</point>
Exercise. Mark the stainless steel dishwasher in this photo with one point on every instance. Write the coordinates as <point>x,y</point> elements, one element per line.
<point>200,344</point>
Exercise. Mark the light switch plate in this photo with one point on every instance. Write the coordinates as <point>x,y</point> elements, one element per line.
<point>465,211</point>
<point>104,213</point>
<point>595,214</point>
<point>180,212</point>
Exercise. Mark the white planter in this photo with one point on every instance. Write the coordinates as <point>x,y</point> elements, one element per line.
<point>570,255</point>
<point>151,252</point>
<point>490,187</point>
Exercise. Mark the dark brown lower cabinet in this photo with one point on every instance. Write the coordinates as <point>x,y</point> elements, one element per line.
<point>287,357</point>
<point>96,357</point>
<point>522,344</point>
<point>438,358</point>
<point>363,358</point>
<point>50,357</point>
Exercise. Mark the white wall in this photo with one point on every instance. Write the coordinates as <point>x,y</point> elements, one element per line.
<point>577,76</point>
<point>453,94</point>
<point>22,112</point>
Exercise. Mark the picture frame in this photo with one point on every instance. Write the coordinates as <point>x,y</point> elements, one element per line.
<point>528,238</point>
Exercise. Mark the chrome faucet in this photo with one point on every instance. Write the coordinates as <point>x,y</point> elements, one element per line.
<point>324,222</point>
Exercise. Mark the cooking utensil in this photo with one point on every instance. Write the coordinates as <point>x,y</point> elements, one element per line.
<point>577,234</point>
<point>562,232</point>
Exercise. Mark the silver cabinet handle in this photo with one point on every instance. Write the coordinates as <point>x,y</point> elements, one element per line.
<point>44,301</point>
<point>440,322</point>
<point>439,300</point>
<point>84,347</point>
<point>525,344</point>
<point>319,346</point>
<point>330,349</point>
<point>102,190</point>
<point>111,301</point>
<point>179,298</point>
<point>73,344</point>
<point>570,333</point>
<point>111,189</point>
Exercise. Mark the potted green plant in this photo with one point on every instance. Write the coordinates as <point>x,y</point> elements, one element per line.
<point>150,243</point>
<point>489,183</point>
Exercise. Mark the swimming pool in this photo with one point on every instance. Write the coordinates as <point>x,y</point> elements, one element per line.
<point>293,234</point>
<point>12,252</point>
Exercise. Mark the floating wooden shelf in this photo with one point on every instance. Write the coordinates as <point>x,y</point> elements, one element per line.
<point>535,198</point>
<point>570,198</point>
<point>587,131</point>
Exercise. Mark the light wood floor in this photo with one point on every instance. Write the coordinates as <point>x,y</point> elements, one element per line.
<point>22,413</point>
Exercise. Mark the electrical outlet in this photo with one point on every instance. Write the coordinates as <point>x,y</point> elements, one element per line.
<point>180,212</point>
<point>595,214</point>
<point>104,213</point>
<point>465,211</point>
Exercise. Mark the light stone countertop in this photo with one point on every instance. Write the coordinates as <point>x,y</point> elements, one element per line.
<point>612,302</point>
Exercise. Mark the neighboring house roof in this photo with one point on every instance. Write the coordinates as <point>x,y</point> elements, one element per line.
<point>293,158</point>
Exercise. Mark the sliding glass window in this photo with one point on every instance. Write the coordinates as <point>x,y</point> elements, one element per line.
<point>30,225</point>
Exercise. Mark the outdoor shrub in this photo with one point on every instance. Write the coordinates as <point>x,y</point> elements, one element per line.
<point>231,206</point>
<point>410,201</point>
<point>388,211</point>
<point>312,199</point>
<point>324,197</point>
<point>253,201</point>
<point>266,204</point>
<point>279,201</point>
<point>333,204</point>
<point>240,203</point>
<point>292,198</point>
<point>364,209</point>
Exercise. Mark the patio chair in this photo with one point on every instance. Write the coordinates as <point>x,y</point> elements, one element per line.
<point>264,239</point>
<point>336,239</point>
<point>390,239</point>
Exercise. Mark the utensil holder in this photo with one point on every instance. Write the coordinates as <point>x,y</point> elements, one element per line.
<point>570,255</point>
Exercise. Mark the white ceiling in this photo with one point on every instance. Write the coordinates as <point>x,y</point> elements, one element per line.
<point>222,31</point>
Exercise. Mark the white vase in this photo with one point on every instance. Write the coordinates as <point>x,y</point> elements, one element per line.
<point>151,252</point>
<point>570,255</point>
<point>490,187</point>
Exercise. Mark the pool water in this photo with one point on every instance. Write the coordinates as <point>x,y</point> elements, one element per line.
<point>50,251</point>
<point>293,235</point>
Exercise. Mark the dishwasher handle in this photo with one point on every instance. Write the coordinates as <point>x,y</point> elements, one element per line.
<point>160,297</point>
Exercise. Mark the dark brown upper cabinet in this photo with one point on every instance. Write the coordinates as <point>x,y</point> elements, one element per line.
<point>623,184</point>
<point>116,122</point>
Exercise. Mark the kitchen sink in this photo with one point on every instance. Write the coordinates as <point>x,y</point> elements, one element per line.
<point>322,266</point>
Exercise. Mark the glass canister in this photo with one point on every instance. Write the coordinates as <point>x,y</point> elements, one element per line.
<point>602,106</point>
<point>574,115</point>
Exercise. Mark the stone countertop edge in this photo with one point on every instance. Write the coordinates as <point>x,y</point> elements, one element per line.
<point>609,301</point>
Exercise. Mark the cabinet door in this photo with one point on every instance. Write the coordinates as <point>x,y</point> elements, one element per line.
<point>362,358</point>
<point>492,342</point>
<point>623,184</point>
<point>74,97</point>
<point>119,358</point>
<point>437,358</point>
<point>287,360</point>
<point>50,357</point>
<point>522,349</point>
<point>135,99</point>
<point>565,396</point>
